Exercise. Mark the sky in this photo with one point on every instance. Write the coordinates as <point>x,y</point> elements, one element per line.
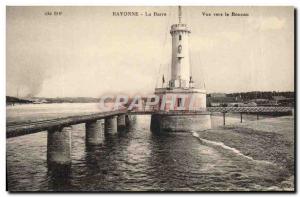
<point>88,52</point>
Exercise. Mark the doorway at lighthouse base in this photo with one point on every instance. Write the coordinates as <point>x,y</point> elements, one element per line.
<point>180,123</point>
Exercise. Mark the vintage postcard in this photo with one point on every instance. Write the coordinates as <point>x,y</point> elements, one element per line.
<point>150,98</point>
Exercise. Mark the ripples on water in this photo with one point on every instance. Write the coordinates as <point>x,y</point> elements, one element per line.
<point>137,160</point>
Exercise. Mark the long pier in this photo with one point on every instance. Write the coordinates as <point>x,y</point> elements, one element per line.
<point>59,130</point>
<point>24,128</point>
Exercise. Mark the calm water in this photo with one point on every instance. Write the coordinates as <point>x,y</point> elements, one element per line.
<point>137,160</point>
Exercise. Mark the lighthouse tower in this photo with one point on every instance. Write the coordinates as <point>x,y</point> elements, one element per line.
<point>180,99</point>
<point>180,69</point>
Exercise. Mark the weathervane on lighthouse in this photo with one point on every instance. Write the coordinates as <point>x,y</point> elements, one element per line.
<point>179,14</point>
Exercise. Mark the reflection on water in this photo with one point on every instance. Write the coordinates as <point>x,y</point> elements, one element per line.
<point>135,160</point>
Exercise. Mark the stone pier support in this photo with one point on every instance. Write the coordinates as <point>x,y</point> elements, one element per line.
<point>121,122</point>
<point>93,133</point>
<point>59,146</point>
<point>110,125</point>
<point>130,121</point>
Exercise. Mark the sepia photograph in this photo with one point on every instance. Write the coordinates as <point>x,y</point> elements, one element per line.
<point>150,98</point>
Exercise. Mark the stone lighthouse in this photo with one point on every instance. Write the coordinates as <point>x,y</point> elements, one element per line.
<point>180,69</point>
<point>181,106</point>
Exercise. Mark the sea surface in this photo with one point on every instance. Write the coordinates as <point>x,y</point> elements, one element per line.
<point>133,160</point>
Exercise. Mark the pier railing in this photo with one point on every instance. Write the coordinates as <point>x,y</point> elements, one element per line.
<point>214,109</point>
<point>249,109</point>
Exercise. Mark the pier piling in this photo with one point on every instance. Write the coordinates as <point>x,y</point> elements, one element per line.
<point>121,122</point>
<point>94,131</point>
<point>130,121</point>
<point>110,125</point>
<point>59,146</point>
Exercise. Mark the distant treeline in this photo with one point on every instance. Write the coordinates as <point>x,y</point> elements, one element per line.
<point>259,95</point>
<point>10,99</point>
<point>13,100</point>
<point>71,100</point>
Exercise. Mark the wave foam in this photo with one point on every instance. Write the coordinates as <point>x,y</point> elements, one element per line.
<point>222,145</point>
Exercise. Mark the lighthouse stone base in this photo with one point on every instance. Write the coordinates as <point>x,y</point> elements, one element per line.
<point>180,117</point>
<point>180,123</point>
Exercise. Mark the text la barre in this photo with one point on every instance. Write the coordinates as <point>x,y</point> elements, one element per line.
<point>139,14</point>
